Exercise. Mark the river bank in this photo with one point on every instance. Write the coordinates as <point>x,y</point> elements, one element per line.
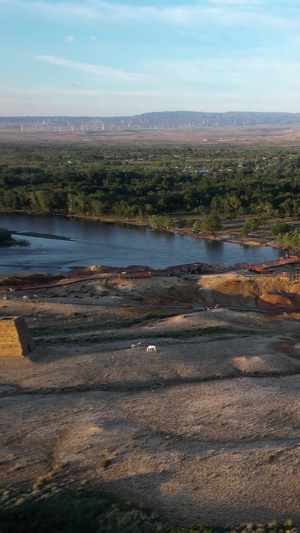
<point>73,242</point>
<point>263,237</point>
<point>231,228</point>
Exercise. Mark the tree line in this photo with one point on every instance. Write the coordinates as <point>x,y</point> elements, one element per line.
<point>149,181</point>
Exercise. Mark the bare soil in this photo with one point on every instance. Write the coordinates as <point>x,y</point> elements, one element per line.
<point>205,430</point>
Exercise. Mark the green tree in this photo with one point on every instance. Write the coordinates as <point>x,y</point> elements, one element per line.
<point>280,227</point>
<point>197,225</point>
<point>5,235</point>
<point>216,205</point>
<point>231,205</point>
<point>251,224</point>
<point>211,223</point>
<point>295,240</point>
<point>160,222</point>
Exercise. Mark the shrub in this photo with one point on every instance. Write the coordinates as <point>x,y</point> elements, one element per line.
<point>5,235</point>
<point>104,463</point>
<point>280,228</point>
<point>211,223</point>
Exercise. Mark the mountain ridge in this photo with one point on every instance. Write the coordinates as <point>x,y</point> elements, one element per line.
<point>158,119</point>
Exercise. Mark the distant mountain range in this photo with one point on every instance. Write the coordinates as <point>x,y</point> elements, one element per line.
<point>198,118</point>
<point>147,121</point>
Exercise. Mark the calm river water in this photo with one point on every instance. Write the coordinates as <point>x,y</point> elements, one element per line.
<point>95,243</point>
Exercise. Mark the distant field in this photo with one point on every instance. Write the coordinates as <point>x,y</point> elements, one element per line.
<point>262,134</point>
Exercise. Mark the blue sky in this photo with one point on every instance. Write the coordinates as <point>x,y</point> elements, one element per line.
<point>105,58</point>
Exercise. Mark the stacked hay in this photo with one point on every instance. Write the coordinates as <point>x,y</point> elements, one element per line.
<point>15,340</point>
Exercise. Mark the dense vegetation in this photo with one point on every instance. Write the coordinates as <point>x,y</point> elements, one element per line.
<point>7,240</point>
<point>138,181</point>
<point>153,182</point>
<point>63,512</point>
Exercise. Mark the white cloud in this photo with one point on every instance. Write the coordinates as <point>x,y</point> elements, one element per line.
<point>100,70</point>
<point>62,11</point>
<point>255,75</point>
<point>240,3</point>
<point>78,83</point>
<point>94,38</point>
<point>70,38</point>
<point>220,12</point>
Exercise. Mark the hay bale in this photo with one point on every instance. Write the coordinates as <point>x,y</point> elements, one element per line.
<point>15,339</point>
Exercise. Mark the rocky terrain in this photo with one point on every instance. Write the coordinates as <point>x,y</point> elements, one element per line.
<point>204,430</point>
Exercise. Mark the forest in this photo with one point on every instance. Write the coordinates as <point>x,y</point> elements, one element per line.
<point>151,181</point>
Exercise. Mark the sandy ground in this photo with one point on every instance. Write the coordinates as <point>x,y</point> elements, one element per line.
<point>206,429</point>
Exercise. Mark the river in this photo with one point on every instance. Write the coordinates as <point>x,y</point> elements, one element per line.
<point>96,243</point>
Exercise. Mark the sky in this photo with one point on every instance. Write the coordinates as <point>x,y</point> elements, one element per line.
<point>126,57</point>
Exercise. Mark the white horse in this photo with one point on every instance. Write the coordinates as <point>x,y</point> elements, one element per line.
<point>151,348</point>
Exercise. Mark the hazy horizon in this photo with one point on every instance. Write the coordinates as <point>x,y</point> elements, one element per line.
<point>244,111</point>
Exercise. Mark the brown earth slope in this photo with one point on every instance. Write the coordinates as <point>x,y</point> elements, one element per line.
<point>206,429</point>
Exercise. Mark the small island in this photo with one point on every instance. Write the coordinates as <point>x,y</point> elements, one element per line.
<point>7,240</point>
